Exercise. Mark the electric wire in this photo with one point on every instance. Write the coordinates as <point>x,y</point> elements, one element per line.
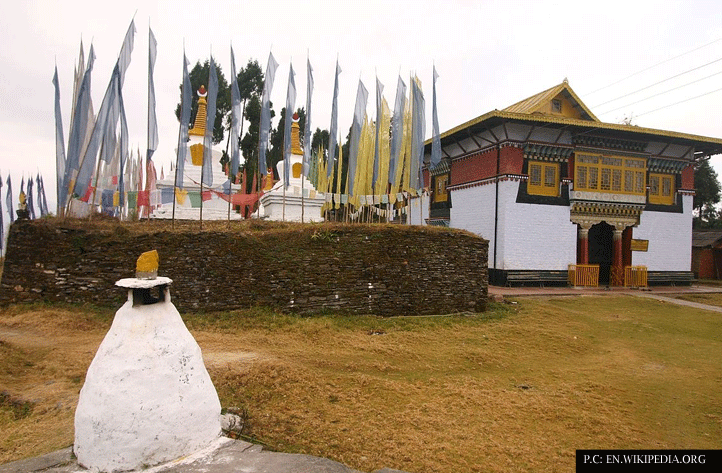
<point>653,66</point>
<point>660,82</point>
<point>661,93</point>
<point>681,101</point>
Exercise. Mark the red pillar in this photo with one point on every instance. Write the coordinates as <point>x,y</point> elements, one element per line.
<point>617,268</point>
<point>583,244</point>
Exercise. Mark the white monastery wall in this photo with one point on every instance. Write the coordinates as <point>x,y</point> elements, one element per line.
<point>533,236</point>
<point>473,210</point>
<point>530,236</point>
<point>415,216</point>
<point>670,239</point>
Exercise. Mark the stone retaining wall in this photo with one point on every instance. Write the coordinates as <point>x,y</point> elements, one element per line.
<point>385,270</point>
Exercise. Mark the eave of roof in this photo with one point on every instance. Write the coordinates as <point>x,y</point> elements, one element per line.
<point>712,145</point>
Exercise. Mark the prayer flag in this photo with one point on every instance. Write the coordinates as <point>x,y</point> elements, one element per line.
<point>152,120</point>
<point>435,140</point>
<point>81,121</point>
<point>333,131</point>
<point>397,130</point>
<point>290,106</point>
<point>59,140</point>
<point>144,198</point>
<point>104,129</point>
<point>180,196</point>
<point>418,131</point>
<point>358,119</point>
<point>123,147</point>
<point>125,51</point>
<point>9,200</point>
<point>31,207</point>
<point>265,125</point>
<point>307,127</point>
<point>185,119</point>
<point>235,119</point>
<point>40,192</point>
<point>377,147</point>
<point>207,172</point>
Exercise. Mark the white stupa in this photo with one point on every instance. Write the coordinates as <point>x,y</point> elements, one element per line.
<point>214,209</point>
<point>147,396</point>
<point>300,201</point>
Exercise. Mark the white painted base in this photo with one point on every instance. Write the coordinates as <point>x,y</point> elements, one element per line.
<point>147,396</point>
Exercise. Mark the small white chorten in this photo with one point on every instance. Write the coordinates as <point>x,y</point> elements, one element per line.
<point>300,201</point>
<point>147,396</point>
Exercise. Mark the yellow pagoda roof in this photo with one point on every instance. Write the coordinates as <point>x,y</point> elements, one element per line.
<point>536,109</point>
<point>539,103</point>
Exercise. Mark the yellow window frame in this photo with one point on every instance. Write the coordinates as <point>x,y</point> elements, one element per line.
<point>661,189</point>
<point>610,174</point>
<point>441,195</point>
<point>543,178</point>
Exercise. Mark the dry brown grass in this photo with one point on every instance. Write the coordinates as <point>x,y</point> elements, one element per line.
<point>519,388</point>
<point>710,299</point>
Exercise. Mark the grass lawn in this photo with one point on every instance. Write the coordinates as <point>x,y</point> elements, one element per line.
<point>518,388</point>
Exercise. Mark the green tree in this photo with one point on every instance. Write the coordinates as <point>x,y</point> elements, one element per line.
<point>320,139</point>
<point>199,76</point>
<point>707,195</point>
<point>275,152</point>
<point>249,142</point>
<point>250,84</point>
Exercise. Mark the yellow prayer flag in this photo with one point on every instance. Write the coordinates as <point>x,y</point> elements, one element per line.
<point>180,196</point>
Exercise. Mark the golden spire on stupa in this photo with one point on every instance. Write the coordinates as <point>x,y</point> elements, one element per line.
<point>295,138</point>
<point>199,127</point>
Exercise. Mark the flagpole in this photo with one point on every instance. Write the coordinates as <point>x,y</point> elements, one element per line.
<point>229,201</point>
<point>258,193</point>
<point>203,161</point>
<point>97,172</point>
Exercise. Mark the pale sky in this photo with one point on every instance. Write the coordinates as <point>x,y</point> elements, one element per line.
<point>489,55</point>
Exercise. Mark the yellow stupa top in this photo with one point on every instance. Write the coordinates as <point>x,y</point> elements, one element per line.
<point>295,138</point>
<point>199,126</point>
<point>147,265</point>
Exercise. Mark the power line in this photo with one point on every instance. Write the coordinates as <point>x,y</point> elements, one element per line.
<point>662,93</point>
<point>653,66</point>
<point>681,101</point>
<point>660,82</point>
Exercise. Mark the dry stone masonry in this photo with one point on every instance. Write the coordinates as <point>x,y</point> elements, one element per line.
<point>384,270</point>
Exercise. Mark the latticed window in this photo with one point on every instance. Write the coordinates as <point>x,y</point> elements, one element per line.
<point>609,174</point>
<point>606,179</point>
<point>543,178</point>
<point>535,171</point>
<point>582,177</point>
<point>639,183</point>
<point>593,178</point>
<point>661,189</point>
<point>616,180</point>
<point>629,181</point>
<point>550,176</point>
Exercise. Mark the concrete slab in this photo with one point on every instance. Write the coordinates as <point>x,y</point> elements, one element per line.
<point>224,456</point>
